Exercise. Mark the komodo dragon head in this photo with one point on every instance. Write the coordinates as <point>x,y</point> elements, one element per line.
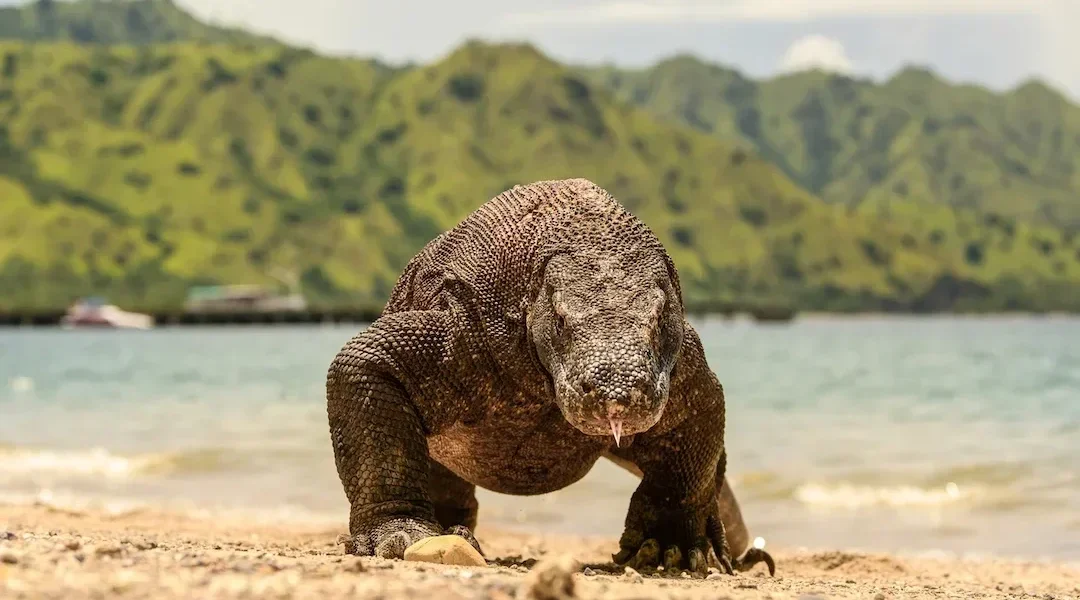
<point>607,327</point>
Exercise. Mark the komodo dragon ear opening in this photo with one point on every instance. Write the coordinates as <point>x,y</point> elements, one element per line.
<point>530,345</point>
<point>673,275</point>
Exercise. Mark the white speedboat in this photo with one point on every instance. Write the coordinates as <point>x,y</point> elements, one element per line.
<point>94,312</point>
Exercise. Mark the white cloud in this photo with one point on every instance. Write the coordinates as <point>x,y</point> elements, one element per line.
<point>1060,45</point>
<point>816,52</point>
<point>591,30</point>
<point>294,22</point>
<point>651,11</point>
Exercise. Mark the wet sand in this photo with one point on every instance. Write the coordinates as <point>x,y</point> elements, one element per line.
<point>47,552</point>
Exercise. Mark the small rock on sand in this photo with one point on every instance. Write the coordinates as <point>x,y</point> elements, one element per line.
<point>550,579</point>
<point>111,550</point>
<point>445,550</point>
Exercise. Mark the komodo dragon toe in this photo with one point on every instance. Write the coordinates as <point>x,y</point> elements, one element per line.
<point>390,538</point>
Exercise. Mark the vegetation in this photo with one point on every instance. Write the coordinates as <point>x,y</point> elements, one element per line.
<point>138,170</point>
<point>855,142</point>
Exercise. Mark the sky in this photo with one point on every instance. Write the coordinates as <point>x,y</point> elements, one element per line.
<point>996,43</point>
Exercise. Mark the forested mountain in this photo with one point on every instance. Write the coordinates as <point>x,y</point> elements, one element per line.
<point>914,137</point>
<point>138,170</point>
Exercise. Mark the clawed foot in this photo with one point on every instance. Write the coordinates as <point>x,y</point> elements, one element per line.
<point>752,557</point>
<point>390,538</point>
<point>676,541</point>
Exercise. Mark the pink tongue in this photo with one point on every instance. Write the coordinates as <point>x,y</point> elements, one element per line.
<point>616,429</point>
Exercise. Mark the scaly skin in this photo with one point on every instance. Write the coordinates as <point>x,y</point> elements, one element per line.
<point>544,331</point>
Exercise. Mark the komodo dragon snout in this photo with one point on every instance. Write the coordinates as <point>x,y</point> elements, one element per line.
<point>608,333</point>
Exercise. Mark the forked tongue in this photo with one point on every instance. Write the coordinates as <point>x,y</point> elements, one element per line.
<point>616,429</point>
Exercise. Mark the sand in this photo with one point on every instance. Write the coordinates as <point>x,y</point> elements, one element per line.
<point>51,553</point>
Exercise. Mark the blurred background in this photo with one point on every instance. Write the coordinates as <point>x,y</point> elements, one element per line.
<point>873,207</point>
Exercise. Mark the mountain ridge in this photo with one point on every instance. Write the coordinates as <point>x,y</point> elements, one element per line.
<point>137,171</point>
<point>114,22</point>
<point>852,140</point>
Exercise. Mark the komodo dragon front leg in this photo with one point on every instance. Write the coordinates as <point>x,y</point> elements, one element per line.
<point>382,401</point>
<point>738,536</point>
<point>684,502</point>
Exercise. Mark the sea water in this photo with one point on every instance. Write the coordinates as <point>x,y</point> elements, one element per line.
<point>895,434</point>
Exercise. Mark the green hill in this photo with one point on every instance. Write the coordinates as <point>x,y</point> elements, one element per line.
<point>111,22</point>
<point>137,171</point>
<point>913,137</point>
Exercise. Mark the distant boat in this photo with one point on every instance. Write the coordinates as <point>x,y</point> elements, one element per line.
<point>95,312</point>
<point>241,298</point>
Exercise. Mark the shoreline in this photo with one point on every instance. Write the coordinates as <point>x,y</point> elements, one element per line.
<point>52,320</point>
<point>49,552</point>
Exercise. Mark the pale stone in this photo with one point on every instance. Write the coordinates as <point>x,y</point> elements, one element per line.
<point>551,579</point>
<point>445,550</point>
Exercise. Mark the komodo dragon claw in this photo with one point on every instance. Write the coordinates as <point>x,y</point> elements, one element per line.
<point>752,557</point>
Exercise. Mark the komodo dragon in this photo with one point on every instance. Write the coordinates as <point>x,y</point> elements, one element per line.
<point>542,332</point>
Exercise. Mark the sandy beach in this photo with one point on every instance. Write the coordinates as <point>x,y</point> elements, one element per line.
<point>47,552</point>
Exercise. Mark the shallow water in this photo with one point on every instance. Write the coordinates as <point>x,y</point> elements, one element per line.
<point>897,434</point>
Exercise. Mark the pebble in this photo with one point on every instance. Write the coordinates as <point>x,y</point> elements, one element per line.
<point>551,579</point>
<point>445,550</point>
<point>588,572</point>
<point>73,545</point>
<point>109,550</point>
<point>632,575</point>
<point>9,558</point>
<point>714,576</point>
<point>6,535</point>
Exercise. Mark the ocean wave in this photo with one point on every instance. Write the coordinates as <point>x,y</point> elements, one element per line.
<point>854,496</point>
<point>21,384</point>
<point>989,473</point>
<point>984,486</point>
<point>111,505</point>
<point>100,462</point>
